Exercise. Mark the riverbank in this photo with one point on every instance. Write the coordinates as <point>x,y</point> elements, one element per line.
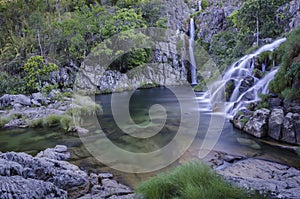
<point>52,177</point>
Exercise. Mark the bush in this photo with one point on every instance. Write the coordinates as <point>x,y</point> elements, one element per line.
<point>190,181</point>
<point>289,70</point>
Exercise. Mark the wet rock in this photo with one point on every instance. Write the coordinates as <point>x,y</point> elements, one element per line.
<point>60,152</point>
<point>267,177</point>
<point>62,174</point>
<point>78,131</point>
<point>15,123</point>
<point>241,118</point>
<point>246,84</point>
<point>18,187</point>
<point>275,123</point>
<point>257,124</point>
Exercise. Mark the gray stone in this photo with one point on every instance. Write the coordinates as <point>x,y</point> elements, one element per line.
<point>288,132</point>
<point>15,123</point>
<point>78,131</point>
<point>18,187</point>
<point>21,99</point>
<point>257,124</point>
<point>266,177</point>
<point>105,175</point>
<point>275,123</point>
<point>274,102</point>
<point>62,174</point>
<point>57,153</point>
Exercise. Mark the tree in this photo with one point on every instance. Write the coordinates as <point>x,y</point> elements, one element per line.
<point>38,72</point>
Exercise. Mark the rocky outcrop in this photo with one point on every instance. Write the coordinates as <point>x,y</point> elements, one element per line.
<point>276,180</point>
<point>213,19</point>
<point>257,124</point>
<point>275,123</point>
<point>290,15</point>
<point>281,124</point>
<point>18,187</point>
<point>50,178</point>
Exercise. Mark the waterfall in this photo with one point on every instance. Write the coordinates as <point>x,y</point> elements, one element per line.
<point>237,74</point>
<point>199,5</point>
<point>191,52</point>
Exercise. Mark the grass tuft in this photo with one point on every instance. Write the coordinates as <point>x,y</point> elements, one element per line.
<point>191,181</point>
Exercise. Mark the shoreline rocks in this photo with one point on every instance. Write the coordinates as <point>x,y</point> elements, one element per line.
<point>21,173</point>
<point>269,178</point>
<point>281,123</point>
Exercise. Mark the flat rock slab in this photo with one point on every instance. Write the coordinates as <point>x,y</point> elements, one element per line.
<point>276,180</point>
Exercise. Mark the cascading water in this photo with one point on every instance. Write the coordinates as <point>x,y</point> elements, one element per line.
<point>191,52</point>
<point>199,5</point>
<point>237,74</point>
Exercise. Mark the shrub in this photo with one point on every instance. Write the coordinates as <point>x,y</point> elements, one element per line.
<point>3,121</point>
<point>191,181</point>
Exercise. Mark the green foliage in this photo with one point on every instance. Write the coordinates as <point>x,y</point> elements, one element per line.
<point>38,72</point>
<point>11,84</point>
<point>204,4</point>
<point>3,121</point>
<point>190,181</point>
<point>289,71</point>
<point>37,123</point>
<point>52,121</point>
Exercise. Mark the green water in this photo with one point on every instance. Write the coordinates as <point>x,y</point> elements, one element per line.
<point>231,140</point>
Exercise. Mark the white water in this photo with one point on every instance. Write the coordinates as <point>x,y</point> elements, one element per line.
<point>236,73</point>
<point>199,5</point>
<point>191,52</point>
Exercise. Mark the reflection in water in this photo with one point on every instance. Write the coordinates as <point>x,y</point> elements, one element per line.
<point>232,141</point>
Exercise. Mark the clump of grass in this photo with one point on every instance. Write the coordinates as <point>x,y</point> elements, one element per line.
<point>37,123</point>
<point>3,121</point>
<point>191,181</point>
<point>52,121</point>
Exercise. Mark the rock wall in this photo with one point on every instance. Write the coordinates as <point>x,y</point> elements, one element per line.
<point>281,122</point>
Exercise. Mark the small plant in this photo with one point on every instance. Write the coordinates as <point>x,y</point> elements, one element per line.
<point>37,123</point>
<point>52,121</point>
<point>192,181</point>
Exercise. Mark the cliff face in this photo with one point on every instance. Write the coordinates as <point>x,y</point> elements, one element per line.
<point>171,55</point>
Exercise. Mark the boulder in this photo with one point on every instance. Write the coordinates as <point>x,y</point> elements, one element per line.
<point>288,131</point>
<point>5,101</point>
<point>246,84</point>
<point>18,187</point>
<point>62,174</point>
<point>241,118</point>
<point>279,180</point>
<point>39,98</point>
<point>21,99</point>
<point>78,131</point>
<point>258,123</point>
<point>15,124</point>
<point>60,152</point>
<point>275,123</point>
<point>275,102</point>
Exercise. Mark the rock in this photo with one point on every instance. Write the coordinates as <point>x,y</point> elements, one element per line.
<point>246,84</point>
<point>62,174</point>
<point>21,99</point>
<point>257,124</point>
<point>15,123</point>
<point>288,133</point>
<point>291,106</point>
<point>114,188</point>
<point>275,123</point>
<point>35,103</point>
<point>241,118</point>
<point>18,187</point>
<point>57,153</point>
<point>78,131</point>
<point>105,175</point>
<point>275,102</point>
<point>267,177</point>
<point>5,101</point>
<point>38,97</point>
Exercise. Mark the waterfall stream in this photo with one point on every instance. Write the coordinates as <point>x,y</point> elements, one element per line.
<point>237,73</point>
<point>191,52</point>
